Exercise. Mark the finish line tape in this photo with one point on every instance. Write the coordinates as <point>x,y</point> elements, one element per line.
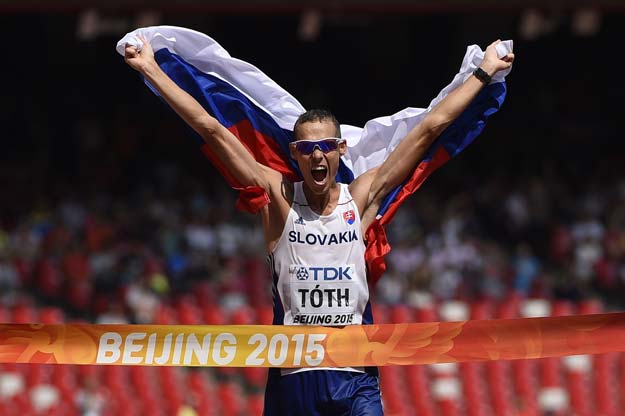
<point>307,346</point>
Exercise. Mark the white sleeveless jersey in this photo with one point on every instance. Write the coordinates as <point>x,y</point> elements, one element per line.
<point>318,266</point>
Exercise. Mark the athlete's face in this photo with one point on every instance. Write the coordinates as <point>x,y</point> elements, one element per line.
<point>320,166</point>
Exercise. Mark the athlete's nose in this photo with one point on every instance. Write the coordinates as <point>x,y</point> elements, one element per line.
<point>317,154</point>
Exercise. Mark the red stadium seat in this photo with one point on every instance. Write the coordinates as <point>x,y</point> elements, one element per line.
<point>590,306</point>
<point>205,293</point>
<point>87,371</point>
<point>426,314</point>
<point>604,383</point>
<point>509,306</point>
<point>243,315</point>
<point>578,369</point>
<point>255,405</point>
<point>549,370</point>
<point>63,376</point>
<point>37,374</point>
<point>481,309</point>
<point>264,315</point>
<point>561,308</point>
<point>23,405</point>
<point>230,397</point>
<point>255,377</point>
<point>213,315</point>
<point>525,383</point>
<point>24,314</point>
<point>380,313</point>
<point>141,378</point>
<point>165,315</point>
<point>474,389</point>
<point>393,392</point>
<point>115,377</point>
<point>498,377</point>
<point>189,314</point>
<point>401,314</point>
<point>200,383</point>
<point>5,316</point>
<point>51,315</point>
<point>416,377</point>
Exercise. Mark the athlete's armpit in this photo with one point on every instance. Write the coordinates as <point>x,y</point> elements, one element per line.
<point>369,215</point>
<point>360,189</point>
<point>275,214</point>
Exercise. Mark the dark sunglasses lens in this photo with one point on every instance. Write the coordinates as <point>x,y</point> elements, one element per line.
<point>325,146</point>
<point>329,145</point>
<point>304,147</point>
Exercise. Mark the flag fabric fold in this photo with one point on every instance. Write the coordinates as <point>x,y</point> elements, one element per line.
<point>261,114</point>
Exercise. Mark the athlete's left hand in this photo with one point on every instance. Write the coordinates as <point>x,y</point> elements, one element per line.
<point>492,63</point>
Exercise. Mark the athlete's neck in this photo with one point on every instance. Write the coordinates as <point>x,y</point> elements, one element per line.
<point>323,204</point>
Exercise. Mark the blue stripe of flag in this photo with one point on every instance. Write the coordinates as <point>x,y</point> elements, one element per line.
<point>229,106</point>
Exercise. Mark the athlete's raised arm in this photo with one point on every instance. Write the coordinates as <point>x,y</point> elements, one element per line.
<point>222,142</point>
<point>402,161</point>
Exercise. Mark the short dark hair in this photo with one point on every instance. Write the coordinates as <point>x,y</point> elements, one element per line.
<point>316,115</point>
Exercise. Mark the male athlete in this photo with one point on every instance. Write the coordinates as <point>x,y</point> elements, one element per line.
<point>314,229</point>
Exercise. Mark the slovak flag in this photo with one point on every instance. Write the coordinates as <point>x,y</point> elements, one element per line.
<point>349,216</point>
<point>261,115</point>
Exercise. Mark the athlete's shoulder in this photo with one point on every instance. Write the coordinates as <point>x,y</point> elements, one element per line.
<point>280,187</point>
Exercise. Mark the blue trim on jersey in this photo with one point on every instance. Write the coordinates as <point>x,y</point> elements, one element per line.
<point>278,307</point>
<point>367,315</point>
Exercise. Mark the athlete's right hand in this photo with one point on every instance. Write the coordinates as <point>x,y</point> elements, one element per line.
<point>139,59</point>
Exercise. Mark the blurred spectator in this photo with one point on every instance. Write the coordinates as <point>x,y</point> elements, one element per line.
<point>9,280</point>
<point>526,267</point>
<point>114,314</point>
<point>142,301</point>
<point>91,398</point>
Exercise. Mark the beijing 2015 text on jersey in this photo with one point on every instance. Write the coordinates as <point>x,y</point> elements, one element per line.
<point>320,278</point>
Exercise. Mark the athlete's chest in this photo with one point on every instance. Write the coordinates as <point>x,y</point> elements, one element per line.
<point>339,228</point>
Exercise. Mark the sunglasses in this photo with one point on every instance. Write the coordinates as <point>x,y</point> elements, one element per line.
<point>306,147</point>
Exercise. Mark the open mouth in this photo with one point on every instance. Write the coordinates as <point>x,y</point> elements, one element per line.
<point>319,173</point>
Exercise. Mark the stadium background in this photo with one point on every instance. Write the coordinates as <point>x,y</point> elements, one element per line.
<point>109,213</point>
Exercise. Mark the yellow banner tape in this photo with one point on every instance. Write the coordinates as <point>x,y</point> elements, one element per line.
<point>307,346</point>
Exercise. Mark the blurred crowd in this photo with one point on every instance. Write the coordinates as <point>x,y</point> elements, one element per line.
<point>109,211</point>
<point>115,258</point>
<point>538,237</point>
<point>113,210</point>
